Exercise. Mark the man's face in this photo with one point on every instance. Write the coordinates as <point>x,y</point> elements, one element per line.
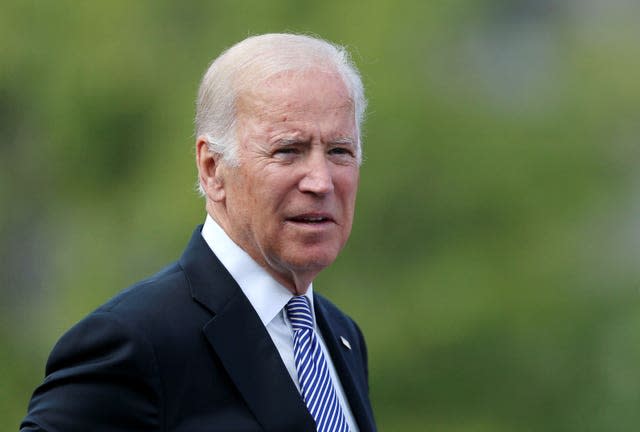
<point>291,200</point>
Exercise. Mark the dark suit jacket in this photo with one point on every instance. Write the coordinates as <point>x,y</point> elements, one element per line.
<point>185,351</point>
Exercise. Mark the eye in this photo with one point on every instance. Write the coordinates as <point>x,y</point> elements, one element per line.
<point>341,151</point>
<point>286,150</point>
<point>286,153</point>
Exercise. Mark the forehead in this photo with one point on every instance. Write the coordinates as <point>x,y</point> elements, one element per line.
<point>310,92</point>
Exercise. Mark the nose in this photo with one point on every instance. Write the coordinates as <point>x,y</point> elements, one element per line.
<point>317,178</point>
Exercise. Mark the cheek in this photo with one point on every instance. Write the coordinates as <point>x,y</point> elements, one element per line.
<point>274,190</point>
<point>239,200</point>
<point>348,188</point>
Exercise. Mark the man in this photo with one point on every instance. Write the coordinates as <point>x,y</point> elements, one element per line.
<point>232,337</point>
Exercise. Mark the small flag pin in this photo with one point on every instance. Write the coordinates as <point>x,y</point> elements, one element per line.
<point>345,342</point>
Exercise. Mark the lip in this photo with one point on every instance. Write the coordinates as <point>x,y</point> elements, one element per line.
<point>311,219</point>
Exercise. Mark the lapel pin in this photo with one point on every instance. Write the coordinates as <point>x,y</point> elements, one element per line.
<point>345,342</point>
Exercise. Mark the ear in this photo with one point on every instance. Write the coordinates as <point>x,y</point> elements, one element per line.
<point>209,170</point>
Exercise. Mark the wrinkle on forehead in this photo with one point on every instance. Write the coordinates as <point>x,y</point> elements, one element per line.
<point>257,101</point>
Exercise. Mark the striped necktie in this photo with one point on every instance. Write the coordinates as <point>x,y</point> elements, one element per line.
<point>315,381</point>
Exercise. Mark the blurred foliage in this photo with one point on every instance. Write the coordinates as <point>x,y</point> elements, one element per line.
<point>493,262</point>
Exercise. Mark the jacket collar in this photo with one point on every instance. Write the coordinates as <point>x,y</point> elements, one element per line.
<point>242,343</point>
<point>334,326</point>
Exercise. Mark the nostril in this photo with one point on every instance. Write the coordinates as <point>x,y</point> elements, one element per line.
<point>317,184</point>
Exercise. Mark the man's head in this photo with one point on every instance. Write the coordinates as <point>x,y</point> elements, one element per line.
<point>252,61</point>
<point>278,149</point>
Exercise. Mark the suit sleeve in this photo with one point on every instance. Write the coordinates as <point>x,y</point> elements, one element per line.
<point>100,376</point>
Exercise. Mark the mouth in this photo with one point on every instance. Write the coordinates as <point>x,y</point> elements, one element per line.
<point>311,219</point>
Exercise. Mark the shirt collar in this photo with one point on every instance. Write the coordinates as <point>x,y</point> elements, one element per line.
<point>266,295</point>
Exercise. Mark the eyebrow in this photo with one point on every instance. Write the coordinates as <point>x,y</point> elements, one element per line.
<point>343,140</point>
<point>287,141</point>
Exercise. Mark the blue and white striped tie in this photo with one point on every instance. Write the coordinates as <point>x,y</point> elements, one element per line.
<point>315,381</point>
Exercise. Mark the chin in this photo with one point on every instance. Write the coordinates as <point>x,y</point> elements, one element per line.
<point>310,260</point>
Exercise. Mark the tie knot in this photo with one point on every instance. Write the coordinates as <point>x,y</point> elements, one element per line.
<point>299,313</point>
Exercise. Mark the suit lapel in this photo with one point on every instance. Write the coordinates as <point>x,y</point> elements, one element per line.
<point>253,363</point>
<point>243,344</point>
<point>347,367</point>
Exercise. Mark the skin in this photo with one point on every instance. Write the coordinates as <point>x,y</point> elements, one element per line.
<point>290,202</point>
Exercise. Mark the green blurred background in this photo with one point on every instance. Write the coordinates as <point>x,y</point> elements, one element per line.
<point>494,259</point>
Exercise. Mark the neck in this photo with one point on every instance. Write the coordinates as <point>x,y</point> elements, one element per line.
<point>297,283</point>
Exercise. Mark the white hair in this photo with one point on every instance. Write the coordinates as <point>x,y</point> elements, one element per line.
<point>254,60</point>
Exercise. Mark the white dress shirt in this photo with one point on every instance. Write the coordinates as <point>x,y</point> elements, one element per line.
<point>268,297</point>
